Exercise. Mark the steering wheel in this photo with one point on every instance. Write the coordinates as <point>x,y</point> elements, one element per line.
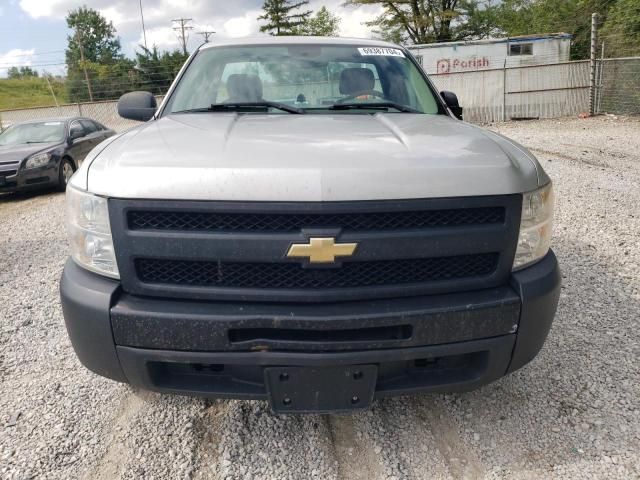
<point>374,93</point>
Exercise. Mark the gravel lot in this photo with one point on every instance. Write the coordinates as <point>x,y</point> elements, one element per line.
<point>572,413</point>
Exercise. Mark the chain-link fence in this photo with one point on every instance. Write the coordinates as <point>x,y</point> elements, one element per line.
<point>552,88</point>
<point>536,91</point>
<point>70,95</point>
<point>617,88</point>
<point>104,112</point>
<point>527,92</point>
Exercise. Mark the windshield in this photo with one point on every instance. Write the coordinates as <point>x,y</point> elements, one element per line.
<point>312,78</point>
<point>44,132</point>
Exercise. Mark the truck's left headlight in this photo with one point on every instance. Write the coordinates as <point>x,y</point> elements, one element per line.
<point>535,227</point>
<point>90,233</point>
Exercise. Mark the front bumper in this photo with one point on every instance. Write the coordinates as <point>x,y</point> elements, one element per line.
<point>448,342</point>
<point>29,179</point>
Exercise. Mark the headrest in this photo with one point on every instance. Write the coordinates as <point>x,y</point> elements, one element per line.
<point>244,88</point>
<point>355,80</point>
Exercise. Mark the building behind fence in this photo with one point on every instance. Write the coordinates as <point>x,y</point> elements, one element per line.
<point>495,53</point>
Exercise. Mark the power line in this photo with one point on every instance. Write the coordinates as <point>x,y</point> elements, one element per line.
<point>206,34</point>
<point>182,30</point>
<point>36,54</point>
<point>7,66</point>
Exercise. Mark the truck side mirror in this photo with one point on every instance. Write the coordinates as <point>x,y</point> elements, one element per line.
<point>140,106</point>
<point>451,100</point>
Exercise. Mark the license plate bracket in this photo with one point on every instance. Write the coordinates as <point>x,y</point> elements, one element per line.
<point>320,389</point>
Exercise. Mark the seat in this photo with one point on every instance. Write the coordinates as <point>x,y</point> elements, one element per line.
<point>244,88</point>
<point>397,89</point>
<point>356,80</point>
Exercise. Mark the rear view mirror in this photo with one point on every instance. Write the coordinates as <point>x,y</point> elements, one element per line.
<point>140,106</point>
<point>451,100</point>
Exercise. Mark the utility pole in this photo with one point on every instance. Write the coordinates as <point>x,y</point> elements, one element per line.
<point>182,29</point>
<point>594,64</point>
<point>46,77</point>
<point>144,31</point>
<point>84,65</point>
<point>206,34</point>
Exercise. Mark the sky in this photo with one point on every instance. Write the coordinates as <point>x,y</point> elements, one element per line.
<point>34,32</point>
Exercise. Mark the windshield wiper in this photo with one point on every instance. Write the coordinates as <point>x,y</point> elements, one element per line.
<point>235,106</point>
<point>374,106</point>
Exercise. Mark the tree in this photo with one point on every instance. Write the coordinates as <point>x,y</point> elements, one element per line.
<point>525,17</point>
<point>94,48</point>
<point>96,35</point>
<point>281,16</point>
<point>423,21</point>
<point>155,71</point>
<point>13,72</point>
<point>22,72</point>
<point>621,31</point>
<point>322,24</point>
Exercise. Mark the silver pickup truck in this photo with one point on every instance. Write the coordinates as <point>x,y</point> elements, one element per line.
<point>307,221</point>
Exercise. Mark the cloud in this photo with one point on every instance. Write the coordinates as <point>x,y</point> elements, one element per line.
<point>16,57</point>
<point>113,15</point>
<point>352,19</point>
<point>229,18</point>
<point>164,38</point>
<point>43,8</point>
<point>353,22</point>
<point>243,26</point>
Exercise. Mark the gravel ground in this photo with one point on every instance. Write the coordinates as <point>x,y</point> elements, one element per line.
<point>572,413</point>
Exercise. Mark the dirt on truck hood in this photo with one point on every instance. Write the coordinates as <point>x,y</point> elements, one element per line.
<point>312,157</point>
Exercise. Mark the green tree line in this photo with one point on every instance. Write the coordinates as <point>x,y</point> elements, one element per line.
<point>428,21</point>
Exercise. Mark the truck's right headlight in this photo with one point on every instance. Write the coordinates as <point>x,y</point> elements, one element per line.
<point>90,233</point>
<point>535,227</point>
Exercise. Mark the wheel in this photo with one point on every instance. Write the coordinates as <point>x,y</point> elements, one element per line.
<point>64,174</point>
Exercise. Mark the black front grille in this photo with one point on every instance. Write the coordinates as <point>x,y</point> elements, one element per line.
<point>237,251</point>
<point>8,173</point>
<point>289,222</point>
<point>293,276</point>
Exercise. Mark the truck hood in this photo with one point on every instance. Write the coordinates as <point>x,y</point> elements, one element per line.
<point>314,157</point>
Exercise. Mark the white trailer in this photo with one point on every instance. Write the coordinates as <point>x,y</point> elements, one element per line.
<point>468,56</point>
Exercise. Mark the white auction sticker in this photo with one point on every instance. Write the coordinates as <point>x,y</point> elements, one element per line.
<point>383,51</point>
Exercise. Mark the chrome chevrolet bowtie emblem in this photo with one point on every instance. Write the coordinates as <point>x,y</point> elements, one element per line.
<point>321,250</point>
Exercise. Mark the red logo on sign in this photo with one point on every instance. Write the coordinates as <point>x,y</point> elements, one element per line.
<point>443,66</point>
<point>447,65</point>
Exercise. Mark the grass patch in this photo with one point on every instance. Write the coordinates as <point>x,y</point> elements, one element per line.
<point>29,92</point>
